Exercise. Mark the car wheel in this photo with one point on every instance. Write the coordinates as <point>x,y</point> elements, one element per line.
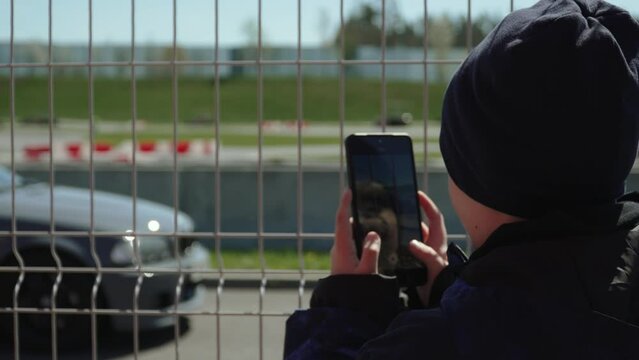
<point>74,292</point>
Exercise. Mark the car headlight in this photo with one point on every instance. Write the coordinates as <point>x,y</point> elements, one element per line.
<point>152,249</point>
<point>122,253</point>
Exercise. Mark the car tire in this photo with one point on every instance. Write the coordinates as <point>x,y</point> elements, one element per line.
<point>74,292</point>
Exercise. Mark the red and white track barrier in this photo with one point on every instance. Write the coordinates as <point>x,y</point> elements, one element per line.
<point>146,151</point>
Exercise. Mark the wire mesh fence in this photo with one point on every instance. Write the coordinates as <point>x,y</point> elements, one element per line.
<point>77,264</point>
<point>61,275</point>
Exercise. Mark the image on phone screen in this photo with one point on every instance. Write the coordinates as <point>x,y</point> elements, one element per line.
<point>385,196</point>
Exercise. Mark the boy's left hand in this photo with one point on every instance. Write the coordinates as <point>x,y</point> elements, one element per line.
<point>431,252</point>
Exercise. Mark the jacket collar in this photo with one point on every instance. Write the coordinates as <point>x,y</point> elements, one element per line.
<point>563,224</point>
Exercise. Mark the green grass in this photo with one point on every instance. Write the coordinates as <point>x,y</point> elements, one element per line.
<point>228,139</point>
<point>275,259</point>
<point>273,140</point>
<point>238,98</point>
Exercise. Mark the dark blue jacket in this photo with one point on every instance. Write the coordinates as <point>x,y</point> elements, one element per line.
<point>563,286</point>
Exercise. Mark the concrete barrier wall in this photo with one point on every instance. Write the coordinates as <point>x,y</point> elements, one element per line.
<point>239,201</point>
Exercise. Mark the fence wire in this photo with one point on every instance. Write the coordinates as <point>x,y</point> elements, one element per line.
<point>138,269</point>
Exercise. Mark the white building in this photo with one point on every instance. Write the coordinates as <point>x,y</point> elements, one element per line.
<point>114,61</point>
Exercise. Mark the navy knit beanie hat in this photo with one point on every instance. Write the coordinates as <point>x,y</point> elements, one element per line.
<point>544,113</point>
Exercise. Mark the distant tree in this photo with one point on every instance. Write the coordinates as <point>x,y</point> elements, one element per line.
<point>440,38</point>
<point>252,35</point>
<point>362,28</point>
<point>398,31</point>
<point>250,31</point>
<point>481,26</point>
<point>406,35</point>
<point>441,34</point>
<point>323,21</point>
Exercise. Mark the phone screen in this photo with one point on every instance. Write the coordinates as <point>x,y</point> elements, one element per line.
<point>383,182</point>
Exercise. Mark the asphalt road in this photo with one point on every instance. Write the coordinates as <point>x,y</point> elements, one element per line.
<point>239,334</point>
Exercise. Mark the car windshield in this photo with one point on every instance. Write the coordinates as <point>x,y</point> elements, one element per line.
<point>5,179</point>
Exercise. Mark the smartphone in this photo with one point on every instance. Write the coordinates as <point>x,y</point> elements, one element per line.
<point>381,175</point>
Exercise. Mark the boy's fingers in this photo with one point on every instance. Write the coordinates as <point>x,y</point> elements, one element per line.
<point>432,211</point>
<point>436,227</point>
<point>370,254</point>
<point>343,212</point>
<point>425,233</point>
<point>423,252</point>
<point>343,234</point>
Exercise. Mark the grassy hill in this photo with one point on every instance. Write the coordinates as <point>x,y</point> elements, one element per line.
<point>238,99</point>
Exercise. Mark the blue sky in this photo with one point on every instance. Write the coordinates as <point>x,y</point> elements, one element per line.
<point>153,20</point>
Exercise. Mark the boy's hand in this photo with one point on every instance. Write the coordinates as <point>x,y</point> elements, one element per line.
<point>343,253</point>
<point>432,252</point>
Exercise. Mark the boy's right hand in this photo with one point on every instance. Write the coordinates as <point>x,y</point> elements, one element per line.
<point>343,253</point>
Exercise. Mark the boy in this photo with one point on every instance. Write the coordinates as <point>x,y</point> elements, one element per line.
<point>539,131</point>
